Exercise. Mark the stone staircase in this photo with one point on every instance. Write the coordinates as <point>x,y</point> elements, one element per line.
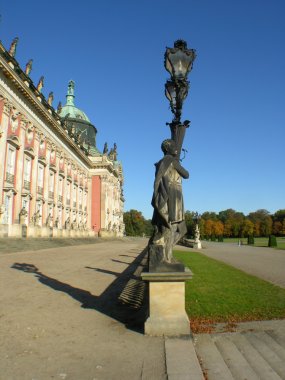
<point>244,355</point>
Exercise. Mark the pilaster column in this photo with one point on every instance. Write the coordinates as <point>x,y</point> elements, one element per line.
<point>4,120</point>
<point>19,169</point>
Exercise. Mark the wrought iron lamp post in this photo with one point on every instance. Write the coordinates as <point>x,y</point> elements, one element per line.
<point>178,62</point>
<point>167,277</point>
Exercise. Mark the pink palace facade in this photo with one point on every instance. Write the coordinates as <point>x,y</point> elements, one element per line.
<point>54,182</point>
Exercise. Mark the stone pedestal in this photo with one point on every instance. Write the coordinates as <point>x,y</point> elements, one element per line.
<point>106,234</point>
<point>65,233</point>
<point>197,244</point>
<point>46,231</point>
<point>167,315</point>
<point>4,230</point>
<point>15,230</point>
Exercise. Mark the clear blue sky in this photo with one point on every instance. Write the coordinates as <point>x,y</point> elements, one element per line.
<point>114,50</point>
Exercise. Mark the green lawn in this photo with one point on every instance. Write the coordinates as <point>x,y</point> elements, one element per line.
<point>258,242</point>
<point>221,293</point>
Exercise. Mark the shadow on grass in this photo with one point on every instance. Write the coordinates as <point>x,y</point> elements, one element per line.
<point>125,299</point>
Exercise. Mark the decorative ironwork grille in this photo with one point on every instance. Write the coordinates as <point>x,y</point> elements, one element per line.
<point>10,178</point>
<point>27,184</point>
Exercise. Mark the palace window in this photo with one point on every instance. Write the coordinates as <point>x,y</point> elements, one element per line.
<point>51,185</point>
<point>7,217</point>
<point>68,192</point>
<point>60,188</point>
<point>40,184</point>
<point>80,199</point>
<point>27,172</point>
<point>10,167</point>
<point>74,195</point>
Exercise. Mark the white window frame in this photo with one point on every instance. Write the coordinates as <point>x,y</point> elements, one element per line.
<point>41,171</point>
<point>11,160</point>
<point>51,181</point>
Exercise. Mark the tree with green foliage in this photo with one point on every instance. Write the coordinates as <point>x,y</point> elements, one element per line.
<point>134,223</point>
<point>148,227</point>
<point>278,227</point>
<point>250,240</point>
<point>209,215</point>
<point>190,223</point>
<point>202,228</point>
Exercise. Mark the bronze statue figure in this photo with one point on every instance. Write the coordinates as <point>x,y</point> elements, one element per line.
<point>168,215</point>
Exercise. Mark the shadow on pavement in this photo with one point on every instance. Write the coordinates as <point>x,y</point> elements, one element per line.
<point>125,299</point>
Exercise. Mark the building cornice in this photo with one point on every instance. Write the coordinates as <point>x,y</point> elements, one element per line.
<point>37,101</point>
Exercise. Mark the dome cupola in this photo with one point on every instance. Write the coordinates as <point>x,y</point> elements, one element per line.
<point>77,123</point>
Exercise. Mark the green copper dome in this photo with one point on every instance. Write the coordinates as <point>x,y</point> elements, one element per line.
<point>69,108</point>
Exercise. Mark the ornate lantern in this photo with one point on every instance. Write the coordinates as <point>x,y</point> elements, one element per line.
<point>178,61</point>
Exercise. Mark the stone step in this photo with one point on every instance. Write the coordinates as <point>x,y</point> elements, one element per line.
<point>181,360</point>
<point>272,344</point>
<point>236,362</point>
<point>255,360</point>
<point>211,359</point>
<point>267,353</point>
<point>277,337</point>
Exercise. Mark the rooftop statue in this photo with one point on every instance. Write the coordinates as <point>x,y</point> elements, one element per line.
<point>13,47</point>
<point>29,66</point>
<point>105,149</point>
<point>40,84</point>
<point>50,98</point>
<point>59,107</point>
<point>115,152</point>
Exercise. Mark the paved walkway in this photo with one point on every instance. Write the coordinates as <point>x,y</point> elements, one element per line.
<point>265,263</point>
<point>77,313</point>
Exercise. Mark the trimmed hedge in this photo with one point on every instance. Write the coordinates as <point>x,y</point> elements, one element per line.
<point>250,240</point>
<point>272,242</point>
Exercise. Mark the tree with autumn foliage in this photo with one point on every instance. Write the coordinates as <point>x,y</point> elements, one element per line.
<point>218,228</point>
<point>247,228</point>
<point>231,223</point>
<point>278,227</point>
<point>262,222</point>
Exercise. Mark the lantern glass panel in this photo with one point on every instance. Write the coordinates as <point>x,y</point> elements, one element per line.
<point>170,92</point>
<point>180,62</point>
